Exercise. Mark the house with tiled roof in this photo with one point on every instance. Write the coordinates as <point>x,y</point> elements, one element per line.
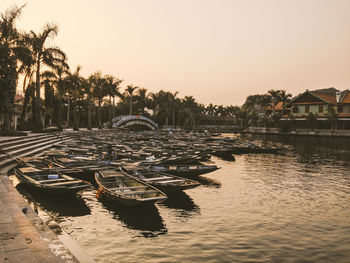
<point>327,105</point>
<point>318,102</point>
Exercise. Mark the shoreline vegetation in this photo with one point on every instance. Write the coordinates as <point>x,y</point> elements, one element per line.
<point>56,95</point>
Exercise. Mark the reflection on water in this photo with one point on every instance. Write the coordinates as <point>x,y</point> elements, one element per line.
<point>59,206</point>
<point>181,201</point>
<point>144,218</point>
<point>311,150</point>
<point>208,181</point>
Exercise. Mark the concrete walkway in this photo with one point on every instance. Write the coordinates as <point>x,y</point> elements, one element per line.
<point>23,235</point>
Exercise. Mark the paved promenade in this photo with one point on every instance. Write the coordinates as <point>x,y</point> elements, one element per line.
<point>23,235</point>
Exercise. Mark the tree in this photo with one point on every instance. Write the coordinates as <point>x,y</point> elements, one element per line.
<point>332,117</point>
<point>275,98</point>
<point>75,83</point>
<point>190,107</point>
<point>88,91</point>
<point>111,89</point>
<point>141,100</point>
<point>285,98</point>
<point>57,79</point>
<point>210,110</point>
<point>129,94</point>
<point>174,104</point>
<point>43,55</point>
<point>14,56</point>
<point>98,92</point>
<point>312,120</point>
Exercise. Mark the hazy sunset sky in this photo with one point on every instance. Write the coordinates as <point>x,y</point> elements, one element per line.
<point>216,50</point>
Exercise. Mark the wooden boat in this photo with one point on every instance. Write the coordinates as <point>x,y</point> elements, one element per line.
<point>37,162</point>
<point>50,181</point>
<point>124,189</point>
<point>43,163</point>
<point>84,164</point>
<point>165,182</point>
<point>183,170</point>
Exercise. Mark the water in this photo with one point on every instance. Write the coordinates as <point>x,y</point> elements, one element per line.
<point>292,207</point>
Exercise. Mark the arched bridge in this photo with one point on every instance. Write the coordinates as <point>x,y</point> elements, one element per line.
<point>132,120</point>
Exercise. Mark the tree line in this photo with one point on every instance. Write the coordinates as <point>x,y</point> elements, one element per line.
<point>54,94</point>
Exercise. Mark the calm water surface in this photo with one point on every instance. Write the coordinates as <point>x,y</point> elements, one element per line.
<point>291,207</point>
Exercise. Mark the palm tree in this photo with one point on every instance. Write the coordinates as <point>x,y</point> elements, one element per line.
<point>48,102</point>
<point>332,117</point>
<point>275,98</point>
<point>189,106</point>
<point>264,102</point>
<point>98,92</point>
<point>111,89</point>
<point>211,110</point>
<point>142,100</point>
<point>43,56</point>
<point>173,104</point>
<point>161,105</point>
<point>56,77</point>
<point>285,98</point>
<point>153,103</point>
<point>75,81</point>
<point>88,90</point>
<point>116,93</point>
<point>14,56</point>
<point>129,94</point>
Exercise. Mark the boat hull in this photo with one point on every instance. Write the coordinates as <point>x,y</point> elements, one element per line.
<point>50,190</point>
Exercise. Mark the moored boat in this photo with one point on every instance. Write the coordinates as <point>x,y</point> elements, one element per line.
<point>50,181</point>
<point>163,181</point>
<point>125,189</point>
<point>37,162</point>
<point>183,170</point>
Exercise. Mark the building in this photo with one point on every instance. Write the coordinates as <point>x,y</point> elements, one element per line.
<point>319,102</point>
<point>329,107</point>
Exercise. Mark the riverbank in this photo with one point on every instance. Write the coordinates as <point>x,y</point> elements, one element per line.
<point>299,132</point>
<point>24,236</point>
<point>276,131</point>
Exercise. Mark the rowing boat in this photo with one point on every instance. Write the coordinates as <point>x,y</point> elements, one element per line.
<point>184,170</point>
<point>124,189</point>
<point>163,181</point>
<point>50,181</point>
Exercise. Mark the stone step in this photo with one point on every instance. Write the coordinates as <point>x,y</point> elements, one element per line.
<point>30,151</point>
<point>23,148</point>
<point>14,140</point>
<point>26,143</point>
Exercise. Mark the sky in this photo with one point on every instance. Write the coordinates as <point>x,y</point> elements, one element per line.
<point>219,51</point>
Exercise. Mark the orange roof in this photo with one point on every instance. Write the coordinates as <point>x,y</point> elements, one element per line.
<point>279,106</point>
<point>346,98</point>
<point>327,97</point>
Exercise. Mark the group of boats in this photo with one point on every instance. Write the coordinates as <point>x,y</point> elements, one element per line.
<point>132,171</point>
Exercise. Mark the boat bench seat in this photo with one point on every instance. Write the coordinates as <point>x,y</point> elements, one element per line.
<point>52,180</point>
<point>67,182</point>
<point>138,192</point>
<point>171,181</point>
<point>129,188</point>
<point>153,198</point>
<point>157,178</point>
